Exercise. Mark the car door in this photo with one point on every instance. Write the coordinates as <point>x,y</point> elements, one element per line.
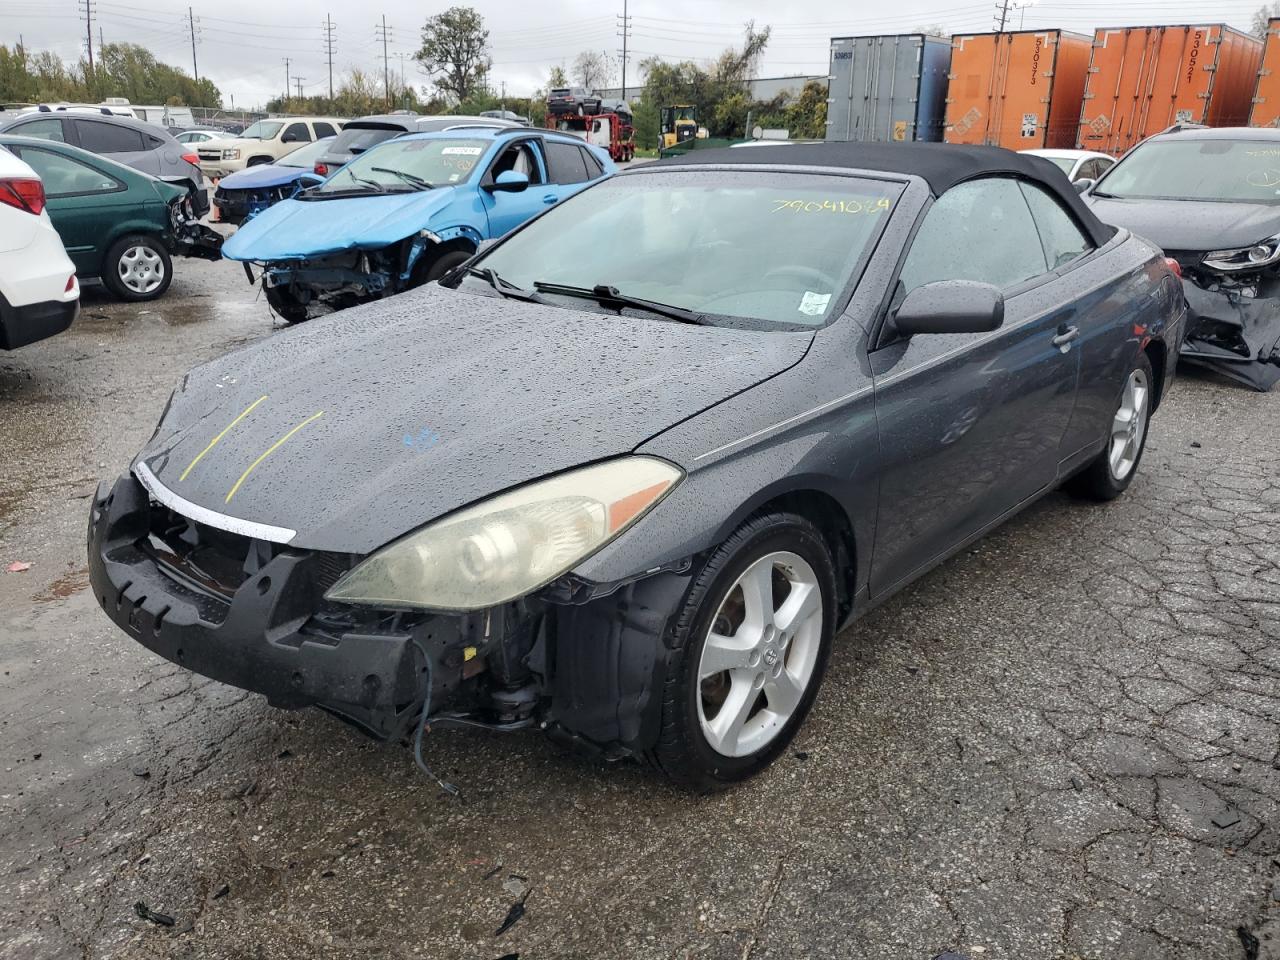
<point>123,144</point>
<point>83,202</point>
<point>970,424</point>
<point>506,211</point>
<point>567,169</point>
<point>41,127</point>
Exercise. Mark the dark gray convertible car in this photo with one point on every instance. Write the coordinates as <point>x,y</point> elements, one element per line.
<point>625,475</point>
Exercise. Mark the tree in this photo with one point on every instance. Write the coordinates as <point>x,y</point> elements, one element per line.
<point>593,69</point>
<point>933,30</point>
<point>1261,16</point>
<point>557,78</point>
<point>455,52</point>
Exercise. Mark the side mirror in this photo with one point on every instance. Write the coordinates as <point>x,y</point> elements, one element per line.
<point>951,306</point>
<point>1083,185</point>
<point>509,181</point>
<point>310,180</point>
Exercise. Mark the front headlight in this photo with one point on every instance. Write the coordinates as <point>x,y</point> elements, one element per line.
<point>511,544</point>
<point>1260,254</point>
<point>232,154</point>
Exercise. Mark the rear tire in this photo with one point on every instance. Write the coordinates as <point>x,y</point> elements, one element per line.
<point>1111,472</point>
<point>137,268</point>
<point>755,634</point>
<point>288,307</point>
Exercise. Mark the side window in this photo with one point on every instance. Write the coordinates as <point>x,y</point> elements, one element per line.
<point>1061,238</point>
<point>1088,170</point>
<point>564,162</point>
<point>296,133</point>
<point>519,157</point>
<point>324,129</point>
<point>594,169</point>
<point>980,230</point>
<point>1104,166</point>
<point>97,137</point>
<point>48,129</point>
<point>63,176</point>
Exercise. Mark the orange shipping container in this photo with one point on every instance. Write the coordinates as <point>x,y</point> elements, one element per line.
<point>1144,79</point>
<point>1266,99</point>
<point>1020,90</point>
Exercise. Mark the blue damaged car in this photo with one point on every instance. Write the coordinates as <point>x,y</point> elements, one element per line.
<point>242,196</point>
<point>406,212</point>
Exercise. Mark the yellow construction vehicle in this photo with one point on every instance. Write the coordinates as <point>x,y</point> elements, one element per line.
<point>679,123</point>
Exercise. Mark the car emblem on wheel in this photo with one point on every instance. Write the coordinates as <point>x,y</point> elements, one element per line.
<point>770,657</point>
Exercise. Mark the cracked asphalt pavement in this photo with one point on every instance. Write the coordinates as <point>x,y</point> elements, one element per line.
<point>1064,743</point>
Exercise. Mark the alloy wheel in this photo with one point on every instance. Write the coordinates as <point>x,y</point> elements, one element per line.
<point>140,269</point>
<point>1129,427</point>
<point>760,653</point>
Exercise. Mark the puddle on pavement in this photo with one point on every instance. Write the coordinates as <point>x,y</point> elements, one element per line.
<point>67,585</point>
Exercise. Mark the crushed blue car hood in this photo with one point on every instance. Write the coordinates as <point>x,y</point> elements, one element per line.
<point>269,175</point>
<point>302,229</point>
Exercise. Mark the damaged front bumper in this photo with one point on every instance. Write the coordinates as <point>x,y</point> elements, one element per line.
<point>1233,326</point>
<point>585,662</point>
<point>188,236</point>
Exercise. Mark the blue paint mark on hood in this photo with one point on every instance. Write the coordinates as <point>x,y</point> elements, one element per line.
<point>301,229</point>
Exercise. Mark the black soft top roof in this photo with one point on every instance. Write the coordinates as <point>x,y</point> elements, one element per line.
<point>941,165</point>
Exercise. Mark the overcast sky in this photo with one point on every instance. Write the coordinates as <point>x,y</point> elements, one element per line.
<point>241,44</point>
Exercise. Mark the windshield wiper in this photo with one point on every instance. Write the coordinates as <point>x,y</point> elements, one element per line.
<point>373,183</point>
<point>606,295</point>
<point>504,287</point>
<point>410,178</point>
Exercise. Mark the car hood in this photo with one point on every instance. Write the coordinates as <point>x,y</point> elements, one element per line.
<point>263,175</point>
<point>360,427</point>
<point>1193,225</point>
<point>301,229</point>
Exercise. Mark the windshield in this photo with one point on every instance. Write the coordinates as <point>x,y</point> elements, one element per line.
<point>359,139</point>
<point>262,130</point>
<point>1241,171</point>
<point>752,249</point>
<point>407,164</point>
<point>307,156</point>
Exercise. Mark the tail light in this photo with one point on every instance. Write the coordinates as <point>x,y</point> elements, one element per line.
<point>192,158</point>
<point>1174,265</point>
<point>71,282</point>
<point>22,193</point>
<point>322,169</point>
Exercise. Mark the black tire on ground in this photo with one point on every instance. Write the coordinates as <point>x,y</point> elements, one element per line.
<point>134,246</point>
<point>683,752</point>
<point>1098,480</point>
<point>288,307</point>
<point>445,262</point>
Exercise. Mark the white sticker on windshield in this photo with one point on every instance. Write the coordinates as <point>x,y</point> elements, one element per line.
<point>453,177</point>
<point>462,151</point>
<point>814,304</point>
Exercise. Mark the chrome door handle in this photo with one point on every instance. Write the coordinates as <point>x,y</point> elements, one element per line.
<point>1066,336</point>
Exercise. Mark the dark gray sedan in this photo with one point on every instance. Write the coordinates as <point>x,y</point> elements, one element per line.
<point>625,476</point>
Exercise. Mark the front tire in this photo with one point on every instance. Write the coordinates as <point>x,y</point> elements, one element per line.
<point>755,633</point>
<point>137,268</point>
<point>444,263</point>
<point>287,306</point>
<point>1111,472</point>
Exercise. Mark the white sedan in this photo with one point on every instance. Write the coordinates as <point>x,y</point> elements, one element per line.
<point>1077,164</point>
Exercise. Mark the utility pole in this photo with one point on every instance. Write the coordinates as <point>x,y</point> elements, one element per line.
<point>286,79</point>
<point>504,95</point>
<point>404,87</point>
<point>88,7</point>
<point>101,43</point>
<point>329,47</point>
<point>1002,8</point>
<point>192,20</point>
<point>624,31</point>
<point>298,83</point>
<point>383,33</point>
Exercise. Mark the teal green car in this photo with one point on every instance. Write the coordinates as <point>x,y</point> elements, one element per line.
<point>117,223</point>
